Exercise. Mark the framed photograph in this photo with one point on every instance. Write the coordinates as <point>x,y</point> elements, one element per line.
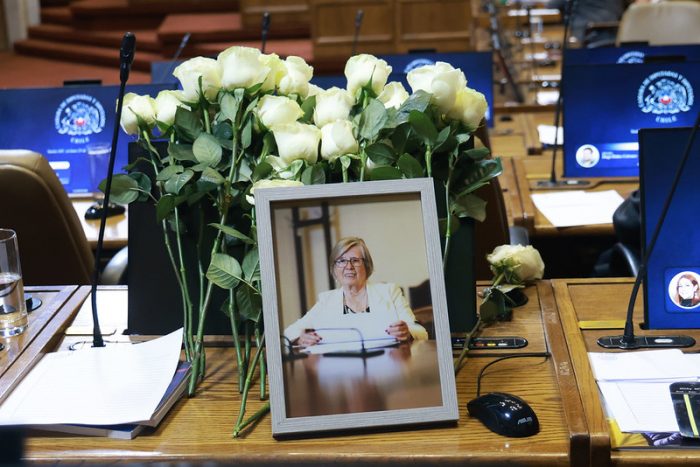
<point>354,305</point>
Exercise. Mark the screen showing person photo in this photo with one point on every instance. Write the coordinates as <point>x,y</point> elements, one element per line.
<point>683,290</point>
<point>606,105</point>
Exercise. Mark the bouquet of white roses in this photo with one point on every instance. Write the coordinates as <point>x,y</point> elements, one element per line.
<point>246,121</point>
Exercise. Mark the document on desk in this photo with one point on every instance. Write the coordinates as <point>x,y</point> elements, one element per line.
<point>578,207</point>
<point>635,386</point>
<point>95,386</point>
<point>547,134</point>
<point>350,331</point>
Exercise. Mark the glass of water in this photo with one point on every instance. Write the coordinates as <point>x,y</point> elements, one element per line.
<point>13,308</point>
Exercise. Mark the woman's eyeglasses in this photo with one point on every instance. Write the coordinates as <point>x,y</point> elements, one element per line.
<point>355,262</point>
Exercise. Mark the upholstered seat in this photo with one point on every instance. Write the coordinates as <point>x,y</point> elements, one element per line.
<point>662,23</point>
<point>53,247</point>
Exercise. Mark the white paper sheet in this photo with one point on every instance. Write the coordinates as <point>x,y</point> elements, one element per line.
<point>354,328</point>
<point>546,134</point>
<point>570,208</point>
<point>547,97</point>
<point>95,386</point>
<point>639,406</point>
<point>670,364</point>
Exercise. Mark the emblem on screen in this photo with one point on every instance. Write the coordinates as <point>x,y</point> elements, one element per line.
<point>633,56</point>
<point>664,94</point>
<point>417,63</point>
<point>79,115</point>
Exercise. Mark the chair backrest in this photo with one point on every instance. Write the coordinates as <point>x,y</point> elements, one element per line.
<point>661,23</point>
<point>52,243</point>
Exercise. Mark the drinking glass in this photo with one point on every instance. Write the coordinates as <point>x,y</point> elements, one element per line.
<point>98,158</point>
<point>13,308</point>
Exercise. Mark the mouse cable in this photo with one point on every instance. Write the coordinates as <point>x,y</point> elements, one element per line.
<point>500,359</point>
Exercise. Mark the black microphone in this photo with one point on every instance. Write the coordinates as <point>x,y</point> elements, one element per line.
<point>291,354</point>
<point>628,340</point>
<point>553,182</point>
<point>265,30</point>
<point>363,352</point>
<point>126,57</point>
<point>358,23</point>
<point>173,61</point>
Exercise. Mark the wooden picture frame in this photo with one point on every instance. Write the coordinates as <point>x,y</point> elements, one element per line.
<point>365,381</point>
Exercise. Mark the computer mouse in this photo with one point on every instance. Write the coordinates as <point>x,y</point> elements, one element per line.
<point>505,414</point>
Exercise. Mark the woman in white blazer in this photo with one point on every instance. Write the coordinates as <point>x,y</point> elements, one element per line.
<point>351,265</point>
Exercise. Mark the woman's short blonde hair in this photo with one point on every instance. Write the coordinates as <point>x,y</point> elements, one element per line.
<point>343,245</point>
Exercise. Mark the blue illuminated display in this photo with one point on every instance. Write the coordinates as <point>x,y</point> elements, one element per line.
<point>606,105</point>
<point>672,293</point>
<point>60,123</point>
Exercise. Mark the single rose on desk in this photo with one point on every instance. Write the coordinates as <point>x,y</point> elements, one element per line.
<point>513,266</point>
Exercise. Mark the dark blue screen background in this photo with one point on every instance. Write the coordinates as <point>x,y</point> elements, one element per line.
<point>610,55</point>
<point>678,247</point>
<point>600,109</point>
<point>28,122</point>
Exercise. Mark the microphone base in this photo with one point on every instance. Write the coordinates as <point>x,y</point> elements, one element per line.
<point>646,342</point>
<point>355,353</point>
<point>558,184</point>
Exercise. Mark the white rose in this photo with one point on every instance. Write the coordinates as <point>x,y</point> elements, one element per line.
<point>297,141</point>
<point>188,74</point>
<point>276,110</point>
<point>133,105</point>
<point>331,105</point>
<point>393,95</point>
<point>469,108</point>
<point>166,103</point>
<point>441,80</point>
<point>241,67</point>
<point>277,71</point>
<point>313,90</point>
<point>524,261</point>
<point>261,184</point>
<point>361,68</point>
<point>337,139</point>
<point>297,77</point>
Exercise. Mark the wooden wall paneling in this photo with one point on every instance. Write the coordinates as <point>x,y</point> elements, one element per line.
<point>287,17</point>
<point>445,26</point>
<point>333,26</point>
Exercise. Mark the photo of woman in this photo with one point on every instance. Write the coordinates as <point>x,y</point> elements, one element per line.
<point>684,289</point>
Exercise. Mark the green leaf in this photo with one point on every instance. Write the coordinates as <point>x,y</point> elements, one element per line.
<point>477,154</point>
<point>234,233</point>
<point>381,154</point>
<point>168,172</point>
<point>399,138</point>
<point>249,303</point>
<point>454,225</point>
<point>418,101</point>
<point>386,173</point>
<point>423,126</point>
<point>230,106</point>
<point>345,162</point>
<point>144,183</point>
<point>165,205</point>
<point>224,271</point>
<point>207,150</point>
<point>372,119</point>
<point>124,189</point>
<point>491,308</point>
<point>210,175</point>
<point>445,141</point>
<point>247,133</point>
<point>308,107</point>
<point>178,181</point>
<point>410,167</point>
<point>261,171</point>
<point>469,206</point>
<point>181,152</point>
<point>481,173</point>
<point>251,265</point>
<point>187,123</point>
<point>313,175</point>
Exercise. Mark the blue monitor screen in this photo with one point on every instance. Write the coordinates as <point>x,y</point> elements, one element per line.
<point>606,105</point>
<point>628,54</point>
<point>62,123</point>
<point>672,294</point>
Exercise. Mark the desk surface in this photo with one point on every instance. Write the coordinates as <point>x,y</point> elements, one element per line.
<point>606,299</point>
<point>199,428</point>
<point>116,230</point>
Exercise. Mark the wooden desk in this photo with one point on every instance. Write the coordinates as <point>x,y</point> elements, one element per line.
<point>116,229</point>
<point>199,429</point>
<point>606,299</point>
